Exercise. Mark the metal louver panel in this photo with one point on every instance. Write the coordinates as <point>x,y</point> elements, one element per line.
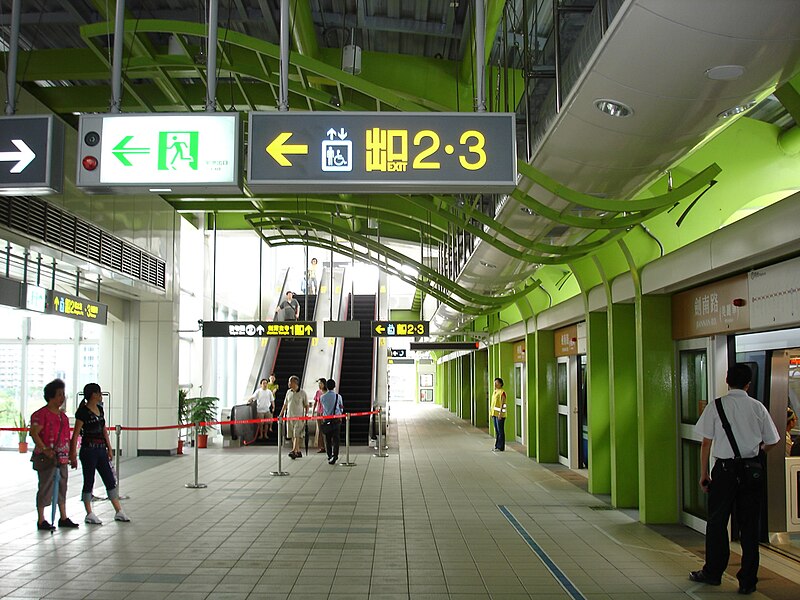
<point>47,223</point>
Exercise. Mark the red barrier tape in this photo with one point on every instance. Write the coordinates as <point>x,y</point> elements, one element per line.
<point>213,423</point>
<point>241,422</point>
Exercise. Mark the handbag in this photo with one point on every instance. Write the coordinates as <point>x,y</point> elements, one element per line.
<point>749,471</point>
<point>40,461</point>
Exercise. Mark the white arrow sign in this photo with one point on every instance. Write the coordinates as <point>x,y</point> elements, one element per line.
<point>23,157</point>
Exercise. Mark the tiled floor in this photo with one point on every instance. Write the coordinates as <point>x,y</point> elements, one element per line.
<point>423,523</point>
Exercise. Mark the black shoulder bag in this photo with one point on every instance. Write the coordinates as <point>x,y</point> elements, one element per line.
<point>749,471</point>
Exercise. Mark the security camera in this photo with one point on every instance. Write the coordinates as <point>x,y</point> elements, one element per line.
<point>199,322</point>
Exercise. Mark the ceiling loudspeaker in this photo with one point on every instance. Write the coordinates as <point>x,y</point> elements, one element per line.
<point>351,59</point>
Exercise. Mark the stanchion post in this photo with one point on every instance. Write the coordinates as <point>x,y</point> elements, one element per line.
<point>196,485</point>
<point>118,431</point>
<point>379,447</point>
<point>280,472</point>
<point>347,462</point>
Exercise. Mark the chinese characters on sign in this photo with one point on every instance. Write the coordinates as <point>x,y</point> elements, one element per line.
<point>399,152</point>
<point>77,308</point>
<point>259,329</point>
<point>715,308</point>
<point>400,328</point>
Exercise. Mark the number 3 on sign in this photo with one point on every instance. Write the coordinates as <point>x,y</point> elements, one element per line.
<point>476,148</point>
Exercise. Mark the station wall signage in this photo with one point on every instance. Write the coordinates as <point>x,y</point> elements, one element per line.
<point>397,353</point>
<point>76,308</point>
<point>400,328</point>
<point>160,153</point>
<point>259,329</point>
<point>381,152</point>
<point>31,155</point>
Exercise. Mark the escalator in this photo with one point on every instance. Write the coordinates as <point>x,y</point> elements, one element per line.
<point>291,359</point>
<point>356,383</point>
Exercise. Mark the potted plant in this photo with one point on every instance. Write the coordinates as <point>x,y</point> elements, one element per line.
<point>183,415</point>
<point>23,435</point>
<point>203,410</point>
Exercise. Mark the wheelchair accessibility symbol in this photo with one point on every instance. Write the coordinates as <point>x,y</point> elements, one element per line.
<point>337,154</point>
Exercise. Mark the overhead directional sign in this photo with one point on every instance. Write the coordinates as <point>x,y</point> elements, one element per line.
<point>400,328</point>
<point>259,329</point>
<point>163,153</point>
<point>31,155</point>
<point>76,308</point>
<point>381,152</point>
<point>397,353</point>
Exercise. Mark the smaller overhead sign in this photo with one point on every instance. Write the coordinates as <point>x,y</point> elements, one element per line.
<point>259,329</point>
<point>163,153</point>
<point>400,328</point>
<point>35,298</point>
<point>397,353</point>
<point>76,308</point>
<point>31,155</point>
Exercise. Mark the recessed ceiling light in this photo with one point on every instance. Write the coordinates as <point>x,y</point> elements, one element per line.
<point>736,110</point>
<point>526,210</point>
<point>725,72</point>
<point>613,108</point>
<point>488,265</point>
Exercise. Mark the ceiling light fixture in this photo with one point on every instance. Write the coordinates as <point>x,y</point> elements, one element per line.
<point>613,108</point>
<point>736,110</point>
<point>725,72</point>
<point>526,210</point>
<point>488,265</point>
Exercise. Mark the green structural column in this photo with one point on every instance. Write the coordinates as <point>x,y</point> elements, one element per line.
<point>530,394</point>
<point>623,392</point>
<point>546,413</point>
<point>658,428</point>
<point>446,385</point>
<point>506,371</point>
<point>452,401</point>
<point>598,408</point>
<point>438,386</point>
<point>465,387</point>
<point>490,375</point>
<point>480,370</point>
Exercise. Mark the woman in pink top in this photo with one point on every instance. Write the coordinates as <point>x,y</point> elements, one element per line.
<point>50,433</point>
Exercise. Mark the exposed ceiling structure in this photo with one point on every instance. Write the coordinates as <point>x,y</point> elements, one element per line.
<point>582,171</point>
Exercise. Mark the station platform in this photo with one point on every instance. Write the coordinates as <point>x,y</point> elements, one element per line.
<point>442,517</point>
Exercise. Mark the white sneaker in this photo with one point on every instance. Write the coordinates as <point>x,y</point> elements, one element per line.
<point>121,516</point>
<point>92,519</point>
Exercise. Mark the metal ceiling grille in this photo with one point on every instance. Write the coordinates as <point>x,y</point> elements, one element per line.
<point>45,222</point>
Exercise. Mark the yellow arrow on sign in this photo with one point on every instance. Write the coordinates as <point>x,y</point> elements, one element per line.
<point>380,328</point>
<point>277,149</point>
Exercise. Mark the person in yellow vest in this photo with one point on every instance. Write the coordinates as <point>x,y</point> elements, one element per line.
<point>499,415</point>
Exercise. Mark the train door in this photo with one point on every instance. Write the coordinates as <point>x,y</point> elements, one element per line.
<point>519,404</point>
<point>567,397</point>
<point>583,425</point>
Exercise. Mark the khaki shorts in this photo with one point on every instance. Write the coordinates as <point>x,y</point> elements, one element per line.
<point>295,429</point>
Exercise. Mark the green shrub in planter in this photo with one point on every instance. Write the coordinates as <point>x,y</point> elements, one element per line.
<point>203,409</point>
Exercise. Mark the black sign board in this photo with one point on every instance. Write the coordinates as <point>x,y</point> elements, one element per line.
<point>400,328</point>
<point>381,152</point>
<point>397,353</point>
<point>76,308</point>
<point>31,155</point>
<point>259,329</point>
<point>444,345</point>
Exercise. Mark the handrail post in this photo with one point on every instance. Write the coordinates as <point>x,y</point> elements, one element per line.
<point>380,448</point>
<point>347,462</point>
<point>118,431</point>
<point>196,485</point>
<point>280,472</point>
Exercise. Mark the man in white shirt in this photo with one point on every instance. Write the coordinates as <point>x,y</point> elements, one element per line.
<point>263,399</point>
<point>729,484</point>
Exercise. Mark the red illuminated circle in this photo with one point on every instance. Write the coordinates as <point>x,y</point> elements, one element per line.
<point>89,163</point>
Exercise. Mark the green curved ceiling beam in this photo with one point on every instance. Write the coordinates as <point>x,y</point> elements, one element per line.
<point>310,66</point>
<point>694,184</point>
<point>260,222</point>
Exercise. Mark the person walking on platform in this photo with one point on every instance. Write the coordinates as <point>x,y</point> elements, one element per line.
<point>264,401</point>
<point>95,454</point>
<point>290,308</point>
<point>331,405</point>
<point>50,433</point>
<point>740,428</point>
<point>499,415</point>
<point>295,405</point>
<point>317,412</point>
